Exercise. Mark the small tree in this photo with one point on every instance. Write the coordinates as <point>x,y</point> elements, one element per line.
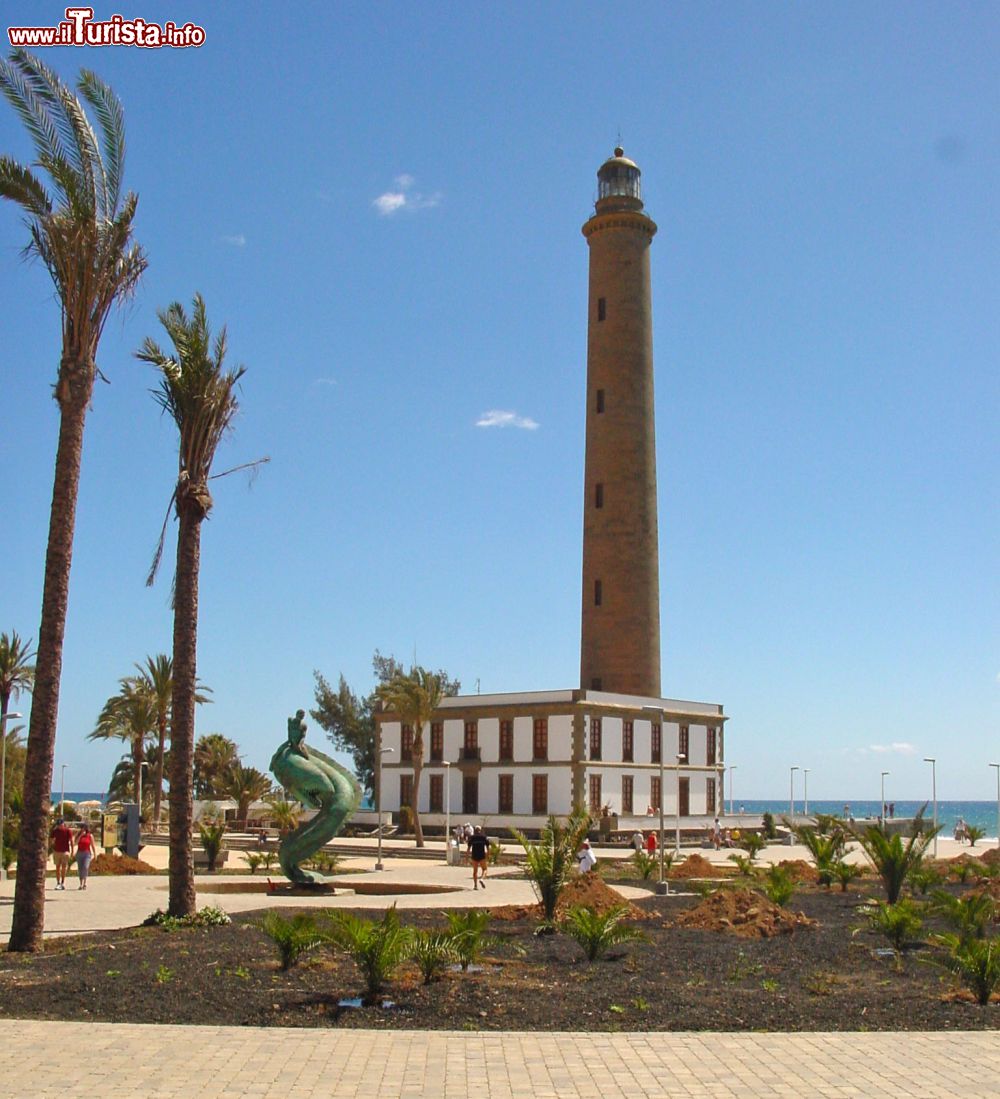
<point>845,873</point>
<point>598,932</point>
<point>432,951</point>
<point>377,948</point>
<point>779,885</point>
<point>899,922</point>
<point>976,963</point>
<point>212,832</point>
<point>753,843</point>
<point>970,915</point>
<point>893,860</point>
<point>825,845</point>
<point>467,929</point>
<point>551,861</point>
<point>973,832</point>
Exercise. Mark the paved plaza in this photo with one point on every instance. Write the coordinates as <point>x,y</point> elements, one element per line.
<point>130,1061</point>
<point>116,1061</point>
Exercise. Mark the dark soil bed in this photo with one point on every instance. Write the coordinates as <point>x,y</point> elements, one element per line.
<point>814,978</point>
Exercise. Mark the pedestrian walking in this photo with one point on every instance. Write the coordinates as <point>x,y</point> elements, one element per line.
<point>85,848</point>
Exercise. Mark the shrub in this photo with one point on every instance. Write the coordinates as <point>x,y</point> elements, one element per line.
<point>597,932</point>
<point>254,861</point>
<point>645,864</point>
<point>963,868</point>
<point>212,832</point>
<point>770,829</point>
<point>552,860</point>
<point>976,963</point>
<point>325,861</point>
<point>433,951</point>
<point>376,947</point>
<point>899,922</point>
<point>467,929</point>
<point>293,937</point>
<point>494,854</point>
<point>970,915</point>
<point>779,885</point>
<point>744,866</point>
<point>894,862</point>
<point>825,844</point>
<point>209,916</point>
<point>973,832</point>
<point>923,878</point>
<point>752,843</point>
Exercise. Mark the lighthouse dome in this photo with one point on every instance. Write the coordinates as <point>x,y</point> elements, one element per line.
<point>618,177</point>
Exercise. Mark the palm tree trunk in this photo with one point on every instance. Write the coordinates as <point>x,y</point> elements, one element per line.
<point>137,754</point>
<point>182,892</point>
<point>418,770</point>
<point>161,724</point>
<point>28,920</point>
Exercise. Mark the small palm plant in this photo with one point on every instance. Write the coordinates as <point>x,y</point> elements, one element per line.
<point>212,831</point>
<point>468,933</point>
<point>970,915</point>
<point>925,878</point>
<point>973,832</point>
<point>378,948</point>
<point>293,937</point>
<point>976,963</point>
<point>779,885</point>
<point>598,932</point>
<point>893,860</point>
<point>825,845</point>
<point>645,863</point>
<point>744,866</point>
<point>433,951</point>
<point>899,923</point>
<point>753,843</point>
<point>845,872</point>
<point>551,861</point>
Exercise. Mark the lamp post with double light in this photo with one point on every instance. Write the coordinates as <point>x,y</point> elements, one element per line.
<point>882,812</point>
<point>932,760</point>
<point>732,767</point>
<point>805,791</point>
<point>4,718</point>
<point>677,820</point>
<point>447,812</point>
<point>378,794</point>
<point>791,793</point>
<point>62,789</point>
<point>996,767</point>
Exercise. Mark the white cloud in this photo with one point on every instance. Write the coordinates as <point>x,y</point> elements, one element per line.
<point>324,381</point>
<point>237,240</point>
<point>404,198</point>
<point>497,417</point>
<point>899,747</point>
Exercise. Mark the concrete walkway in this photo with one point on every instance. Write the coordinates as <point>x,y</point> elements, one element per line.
<point>114,1061</point>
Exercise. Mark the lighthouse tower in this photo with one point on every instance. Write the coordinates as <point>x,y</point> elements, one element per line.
<point>620,637</point>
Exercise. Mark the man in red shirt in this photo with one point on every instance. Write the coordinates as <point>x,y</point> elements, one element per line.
<point>62,850</point>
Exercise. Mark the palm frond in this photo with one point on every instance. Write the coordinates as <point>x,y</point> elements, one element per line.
<point>19,184</point>
<point>108,109</point>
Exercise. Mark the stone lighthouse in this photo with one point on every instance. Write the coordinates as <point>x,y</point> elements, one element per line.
<point>620,638</point>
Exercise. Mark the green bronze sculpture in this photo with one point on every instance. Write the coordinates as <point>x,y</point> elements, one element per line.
<point>320,783</point>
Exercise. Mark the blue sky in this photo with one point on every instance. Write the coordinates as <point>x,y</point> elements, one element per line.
<point>383,202</point>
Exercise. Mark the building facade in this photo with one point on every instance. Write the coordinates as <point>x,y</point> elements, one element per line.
<point>514,759</point>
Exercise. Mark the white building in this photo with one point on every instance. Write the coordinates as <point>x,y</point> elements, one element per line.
<point>514,759</point>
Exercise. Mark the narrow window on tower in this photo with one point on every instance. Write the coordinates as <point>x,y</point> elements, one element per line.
<point>599,496</point>
<point>601,309</point>
<point>598,593</point>
<point>600,400</point>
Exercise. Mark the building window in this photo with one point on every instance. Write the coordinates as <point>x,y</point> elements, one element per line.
<point>506,740</point>
<point>710,796</point>
<point>470,794</point>
<point>540,739</point>
<point>627,807</point>
<point>437,741</point>
<point>628,742</point>
<point>600,400</point>
<point>505,794</point>
<point>684,796</point>
<point>655,793</point>
<point>710,747</point>
<point>595,738</point>
<point>470,745</point>
<point>595,793</point>
<point>598,593</point>
<point>655,742</point>
<point>601,309</point>
<point>682,742</point>
<point>437,793</point>
<point>599,495</point>
<point>540,795</point>
<point>722,751</point>
<point>405,790</point>
<point>406,744</point>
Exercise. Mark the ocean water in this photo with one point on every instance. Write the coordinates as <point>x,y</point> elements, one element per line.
<point>983,814</point>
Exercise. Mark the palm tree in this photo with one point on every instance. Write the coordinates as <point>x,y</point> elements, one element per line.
<point>200,396</point>
<point>83,234</point>
<point>16,675</point>
<point>129,715</point>
<point>893,860</point>
<point>245,785</point>
<point>214,755</point>
<point>158,675</point>
<point>413,698</point>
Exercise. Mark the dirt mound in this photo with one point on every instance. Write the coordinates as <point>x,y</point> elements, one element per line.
<point>696,866</point>
<point>743,912</point>
<point>991,856</point>
<point>975,864</point>
<point>120,864</point>
<point>589,890</point>
<point>800,870</point>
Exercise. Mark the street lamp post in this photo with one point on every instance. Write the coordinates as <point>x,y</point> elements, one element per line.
<point>791,793</point>
<point>881,811</point>
<point>4,718</point>
<point>805,791</point>
<point>138,792</point>
<point>933,762</point>
<point>656,715</point>
<point>732,767</point>
<point>378,795</point>
<point>447,810</point>
<point>996,767</point>
<point>677,819</point>
<point>62,789</point>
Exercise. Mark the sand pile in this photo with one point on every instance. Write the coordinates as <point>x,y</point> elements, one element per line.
<point>120,864</point>
<point>589,890</point>
<point>743,912</point>
<point>800,870</point>
<point>696,866</point>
